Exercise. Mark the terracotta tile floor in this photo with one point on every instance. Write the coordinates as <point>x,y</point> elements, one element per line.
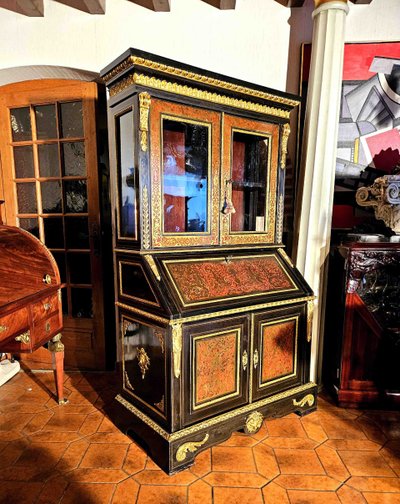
<point>74,454</point>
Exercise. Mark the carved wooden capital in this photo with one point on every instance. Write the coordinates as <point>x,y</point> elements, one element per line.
<point>384,196</point>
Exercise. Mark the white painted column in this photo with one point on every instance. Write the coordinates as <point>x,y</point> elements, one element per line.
<point>314,210</point>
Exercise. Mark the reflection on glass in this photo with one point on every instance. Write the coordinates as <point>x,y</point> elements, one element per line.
<point>77,232</point>
<point>26,197</point>
<point>249,182</point>
<point>23,162</point>
<point>53,232</point>
<point>20,124</point>
<point>46,125</point>
<point>185,176</point>
<point>60,260</point>
<point>81,300</point>
<point>74,159</point>
<point>51,196</point>
<point>30,225</point>
<point>71,119</point>
<point>79,268</point>
<point>49,165</point>
<point>127,182</point>
<point>75,196</point>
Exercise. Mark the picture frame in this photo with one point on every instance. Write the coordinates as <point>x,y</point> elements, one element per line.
<point>369,121</point>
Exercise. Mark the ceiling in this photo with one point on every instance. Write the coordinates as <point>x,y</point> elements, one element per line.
<point>35,8</point>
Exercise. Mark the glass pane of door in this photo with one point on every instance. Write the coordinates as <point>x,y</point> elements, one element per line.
<point>23,161</point>
<point>185,176</point>
<point>249,181</point>
<point>21,124</point>
<point>185,171</point>
<point>51,188</point>
<point>126,224</point>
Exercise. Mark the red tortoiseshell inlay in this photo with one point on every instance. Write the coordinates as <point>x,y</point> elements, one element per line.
<point>278,350</point>
<point>203,280</point>
<point>215,366</point>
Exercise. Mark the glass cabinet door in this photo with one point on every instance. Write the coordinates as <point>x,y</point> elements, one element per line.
<point>185,183</point>
<point>249,181</point>
<point>126,176</point>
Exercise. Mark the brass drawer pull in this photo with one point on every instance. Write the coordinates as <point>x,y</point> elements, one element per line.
<point>24,337</point>
<point>47,326</point>
<point>255,359</point>
<point>3,328</point>
<point>245,360</point>
<point>47,306</point>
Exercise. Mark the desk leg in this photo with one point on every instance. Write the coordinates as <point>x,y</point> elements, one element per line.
<point>57,358</point>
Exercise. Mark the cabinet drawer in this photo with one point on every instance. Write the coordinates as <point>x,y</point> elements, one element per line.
<point>13,324</point>
<point>43,330</point>
<point>44,307</point>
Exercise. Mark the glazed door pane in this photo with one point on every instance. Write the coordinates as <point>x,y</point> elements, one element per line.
<point>249,181</point>
<point>185,176</point>
<point>126,224</point>
<point>185,180</point>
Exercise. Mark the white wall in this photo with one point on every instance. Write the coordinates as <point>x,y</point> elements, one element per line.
<point>250,42</point>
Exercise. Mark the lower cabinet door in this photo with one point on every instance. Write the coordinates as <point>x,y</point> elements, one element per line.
<point>144,366</point>
<point>281,351</point>
<point>216,365</point>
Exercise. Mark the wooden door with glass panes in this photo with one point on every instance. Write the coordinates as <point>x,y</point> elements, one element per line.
<point>51,189</point>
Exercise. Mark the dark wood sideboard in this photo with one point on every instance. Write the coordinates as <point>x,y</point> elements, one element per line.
<point>362,336</point>
<point>30,299</point>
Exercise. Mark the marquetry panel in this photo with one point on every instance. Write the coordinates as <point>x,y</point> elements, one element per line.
<point>216,367</point>
<point>200,281</point>
<point>279,348</point>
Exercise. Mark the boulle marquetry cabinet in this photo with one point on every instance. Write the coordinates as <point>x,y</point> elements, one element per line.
<point>215,322</point>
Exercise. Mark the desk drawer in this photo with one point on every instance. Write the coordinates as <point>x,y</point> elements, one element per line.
<point>45,329</point>
<point>43,308</point>
<point>13,324</point>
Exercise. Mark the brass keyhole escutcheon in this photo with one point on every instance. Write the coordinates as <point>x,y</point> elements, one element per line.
<point>255,359</point>
<point>245,360</point>
<point>47,279</point>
